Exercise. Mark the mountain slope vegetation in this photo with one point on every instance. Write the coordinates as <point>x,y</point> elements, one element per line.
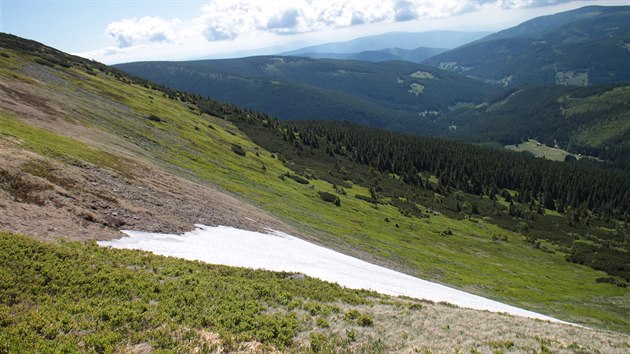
<point>593,121</point>
<point>581,47</point>
<point>87,149</point>
<point>393,95</point>
<point>72,297</point>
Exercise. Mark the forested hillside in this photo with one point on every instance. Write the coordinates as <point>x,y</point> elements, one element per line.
<point>587,46</point>
<point>398,96</point>
<point>515,190</point>
<point>593,121</point>
<point>545,200</point>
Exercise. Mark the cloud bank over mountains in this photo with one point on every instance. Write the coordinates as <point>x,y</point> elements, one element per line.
<point>226,20</point>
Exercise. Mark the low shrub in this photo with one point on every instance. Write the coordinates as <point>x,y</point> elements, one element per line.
<point>351,315</point>
<point>319,342</point>
<point>366,198</point>
<point>322,323</point>
<point>406,208</point>
<point>299,179</point>
<point>613,281</point>
<point>237,149</point>
<point>44,62</point>
<point>117,297</point>
<point>365,320</point>
<point>154,118</point>
<point>330,198</point>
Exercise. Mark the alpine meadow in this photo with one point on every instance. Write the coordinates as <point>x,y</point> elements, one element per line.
<point>488,171</point>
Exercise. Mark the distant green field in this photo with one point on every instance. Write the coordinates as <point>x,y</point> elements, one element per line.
<point>540,150</point>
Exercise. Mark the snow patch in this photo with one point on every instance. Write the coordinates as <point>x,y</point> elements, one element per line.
<point>278,251</point>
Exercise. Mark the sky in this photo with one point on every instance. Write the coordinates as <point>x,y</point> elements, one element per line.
<point>114,31</point>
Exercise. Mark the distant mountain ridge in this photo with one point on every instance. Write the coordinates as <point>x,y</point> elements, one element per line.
<point>417,55</point>
<point>402,40</point>
<point>587,46</point>
<point>540,26</point>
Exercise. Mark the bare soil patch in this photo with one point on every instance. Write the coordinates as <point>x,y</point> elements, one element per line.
<point>85,202</point>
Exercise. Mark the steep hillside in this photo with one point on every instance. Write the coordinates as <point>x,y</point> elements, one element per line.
<point>86,150</point>
<point>582,47</point>
<point>592,121</point>
<point>393,95</point>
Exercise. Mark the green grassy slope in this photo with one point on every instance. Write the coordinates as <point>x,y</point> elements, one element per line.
<point>71,297</point>
<point>460,244</point>
<point>183,139</point>
<point>379,94</point>
<point>580,47</point>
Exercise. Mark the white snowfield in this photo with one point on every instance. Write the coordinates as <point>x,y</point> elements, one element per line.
<point>281,252</point>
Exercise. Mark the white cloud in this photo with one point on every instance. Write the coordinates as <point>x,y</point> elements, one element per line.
<point>221,20</point>
<point>129,32</point>
<point>228,28</point>
<point>227,19</point>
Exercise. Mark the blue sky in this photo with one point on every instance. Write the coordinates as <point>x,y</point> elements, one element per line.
<point>115,31</point>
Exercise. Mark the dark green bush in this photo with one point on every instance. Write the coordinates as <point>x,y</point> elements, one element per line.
<point>44,62</point>
<point>330,198</point>
<point>351,315</point>
<point>299,179</point>
<point>414,306</point>
<point>366,198</point>
<point>319,342</point>
<point>365,320</point>
<point>611,280</point>
<point>322,323</point>
<point>237,149</point>
<point>406,208</point>
<point>154,118</point>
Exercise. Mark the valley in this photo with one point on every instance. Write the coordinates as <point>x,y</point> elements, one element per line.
<point>384,94</point>
<point>528,98</point>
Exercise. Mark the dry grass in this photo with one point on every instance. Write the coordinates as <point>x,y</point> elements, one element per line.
<point>411,326</point>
